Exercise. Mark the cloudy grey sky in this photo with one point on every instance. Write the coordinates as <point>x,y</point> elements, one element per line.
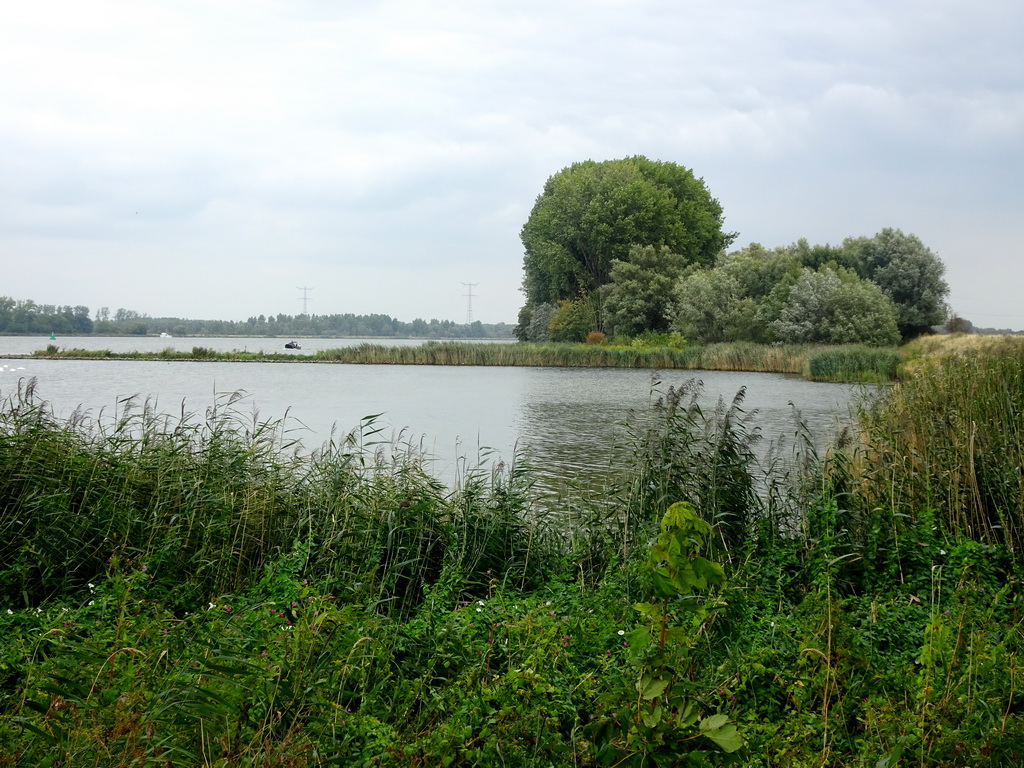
<point>208,159</point>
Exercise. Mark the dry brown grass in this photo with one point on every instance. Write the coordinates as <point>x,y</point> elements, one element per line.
<point>963,345</point>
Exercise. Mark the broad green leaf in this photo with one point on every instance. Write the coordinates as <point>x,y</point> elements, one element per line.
<point>691,577</point>
<point>652,717</point>
<point>707,570</point>
<point>664,584</point>
<point>722,732</point>
<point>657,555</point>
<point>713,721</point>
<point>639,639</point>
<point>677,635</point>
<point>647,609</point>
<point>651,687</point>
<point>688,715</point>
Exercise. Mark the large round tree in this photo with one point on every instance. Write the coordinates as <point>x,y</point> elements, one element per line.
<point>591,213</point>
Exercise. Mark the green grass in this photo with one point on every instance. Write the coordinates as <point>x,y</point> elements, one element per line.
<point>190,591</point>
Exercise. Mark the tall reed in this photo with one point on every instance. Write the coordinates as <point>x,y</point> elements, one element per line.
<point>854,363</point>
<point>560,355</point>
<point>949,439</point>
<point>207,503</point>
<point>681,453</point>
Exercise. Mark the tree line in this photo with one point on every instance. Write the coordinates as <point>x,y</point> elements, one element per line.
<point>632,246</point>
<point>28,317</point>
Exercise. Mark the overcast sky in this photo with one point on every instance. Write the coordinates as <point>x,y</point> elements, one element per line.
<point>210,159</point>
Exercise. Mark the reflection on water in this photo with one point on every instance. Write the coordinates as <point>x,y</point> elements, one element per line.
<point>567,420</point>
<point>573,423</point>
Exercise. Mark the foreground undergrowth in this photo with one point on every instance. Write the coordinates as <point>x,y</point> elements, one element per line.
<point>190,591</point>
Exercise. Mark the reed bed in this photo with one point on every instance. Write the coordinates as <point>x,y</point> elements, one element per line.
<point>855,364</point>
<point>949,441</point>
<point>961,345</point>
<point>722,357</point>
<point>744,356</point>
<point>528,355</point>
<point>868,365</point>
<point>208,501</point>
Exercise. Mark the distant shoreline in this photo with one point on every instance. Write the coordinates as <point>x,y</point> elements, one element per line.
<point>849,363</point>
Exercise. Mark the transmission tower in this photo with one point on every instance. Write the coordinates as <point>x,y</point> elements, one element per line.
<point>469,302</point>
<point>305,299</point>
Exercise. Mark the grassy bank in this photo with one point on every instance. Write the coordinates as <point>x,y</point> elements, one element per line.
<point>964,345</point>
<point>193,593</point>
<point>854,363</point>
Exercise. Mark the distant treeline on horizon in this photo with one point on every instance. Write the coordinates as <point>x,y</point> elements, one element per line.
<point>28,317</point>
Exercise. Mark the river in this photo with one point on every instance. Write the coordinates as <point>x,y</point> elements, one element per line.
<point>566,420</point>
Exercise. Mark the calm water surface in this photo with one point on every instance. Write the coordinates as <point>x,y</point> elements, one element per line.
<point>564,418</point>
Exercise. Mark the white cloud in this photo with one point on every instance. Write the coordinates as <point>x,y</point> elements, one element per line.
<point>386,152</point>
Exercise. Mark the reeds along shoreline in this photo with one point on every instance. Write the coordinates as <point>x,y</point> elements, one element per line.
<point>949,440</point>
<point>820,363</point>
<point>190,591</point>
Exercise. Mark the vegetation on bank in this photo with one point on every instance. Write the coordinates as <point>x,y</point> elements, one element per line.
<point>843,363</point>
<point>963,345</point>
<point>820,363</point>
<point>26,316</point>
<point>191,591</point>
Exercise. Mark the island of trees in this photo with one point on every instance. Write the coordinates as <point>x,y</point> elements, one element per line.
<point>634,246</point>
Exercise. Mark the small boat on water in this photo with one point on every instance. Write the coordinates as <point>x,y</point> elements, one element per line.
<point>292,345</point>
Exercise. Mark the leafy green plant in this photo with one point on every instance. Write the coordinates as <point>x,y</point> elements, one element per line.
<point>656,340</point>
<point>660,721</point>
